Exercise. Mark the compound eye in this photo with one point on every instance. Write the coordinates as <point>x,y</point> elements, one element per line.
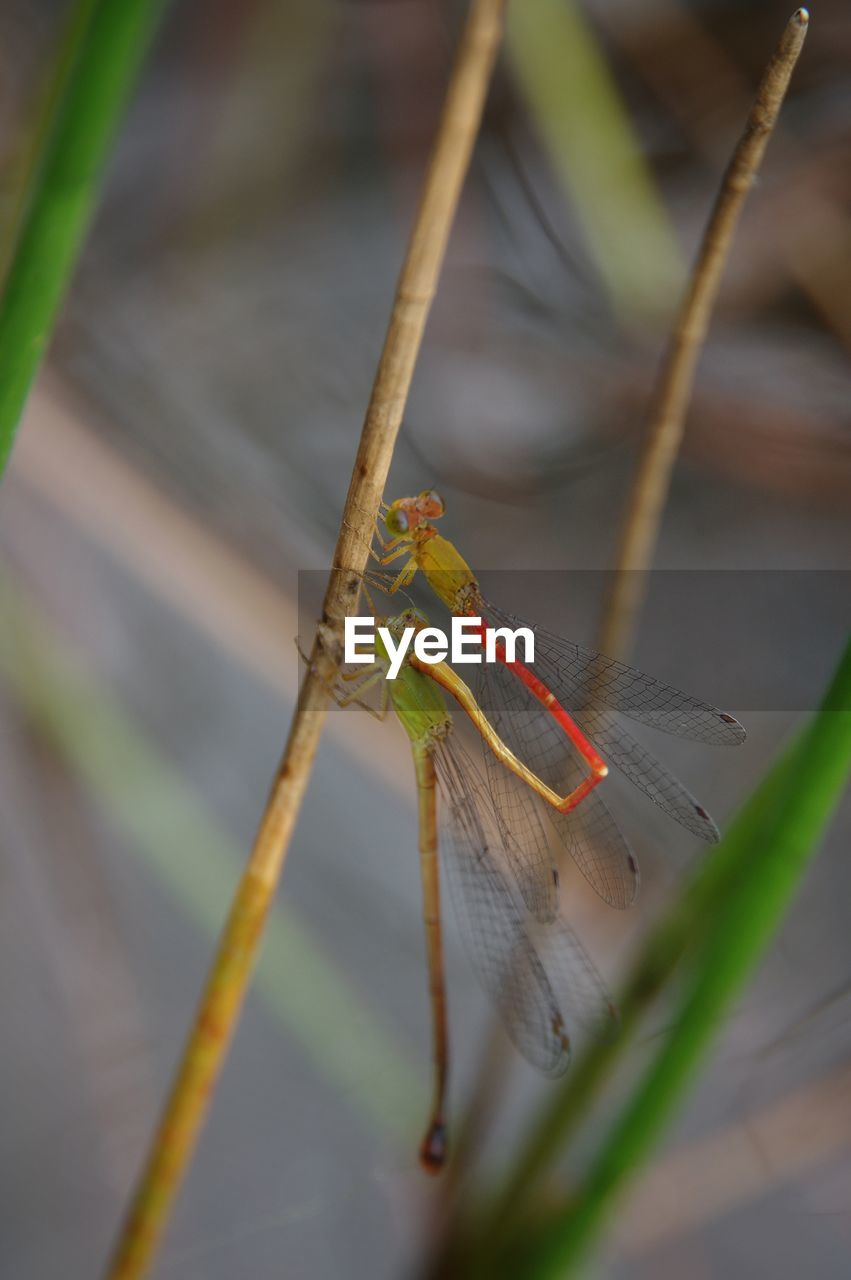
<point>396,521</point>
<point>434,502</point>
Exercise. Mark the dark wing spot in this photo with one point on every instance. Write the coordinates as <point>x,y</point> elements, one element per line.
<point>560,1032</point>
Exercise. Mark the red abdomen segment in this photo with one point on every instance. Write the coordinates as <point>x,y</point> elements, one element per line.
<point>539,690</point>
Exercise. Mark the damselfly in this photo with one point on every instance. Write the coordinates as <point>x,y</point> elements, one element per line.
<point>537,974</point>
<point>561,719</point>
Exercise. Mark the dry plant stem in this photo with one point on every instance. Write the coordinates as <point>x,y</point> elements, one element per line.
<point>676,377</point>
<point>223,996</point>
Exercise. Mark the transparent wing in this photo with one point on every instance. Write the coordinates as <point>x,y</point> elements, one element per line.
<point>582,994</point>
<point>523,835</point>
<point>518,809</point>
<point>581,676</point>
<point>618,747</point>
<point>589,833</point>
<point>505,945</point>
<point>545,749</point>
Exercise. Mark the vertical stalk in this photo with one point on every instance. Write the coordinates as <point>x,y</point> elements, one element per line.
<point>652,480</point>
<point>224,993</point>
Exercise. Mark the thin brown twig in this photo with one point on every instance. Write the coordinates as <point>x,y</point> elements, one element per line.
<point>224,994</point>
<point>676,377</point>
<point>815,251</point>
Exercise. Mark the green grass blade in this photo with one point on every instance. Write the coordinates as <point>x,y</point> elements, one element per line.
<point>788,821</point>
<point>197,865</point>
<point>659,957</point>
<point>746,847</point>
<point>94,75</point>
<point>25,161</point>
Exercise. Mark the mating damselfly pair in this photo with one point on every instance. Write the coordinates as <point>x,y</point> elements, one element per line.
<point>549,736</point>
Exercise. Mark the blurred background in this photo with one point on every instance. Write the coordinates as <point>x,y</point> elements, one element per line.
<point>186,453</point>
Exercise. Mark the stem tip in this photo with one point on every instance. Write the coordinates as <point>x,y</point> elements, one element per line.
<point>434,1147</point>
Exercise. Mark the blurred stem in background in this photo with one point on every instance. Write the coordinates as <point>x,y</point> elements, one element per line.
<point>815,250</point>
<point>577,107</point>
<point>196,864</point>
<point>720,927</point>
<point>92,79</point>
<point>649,493</point>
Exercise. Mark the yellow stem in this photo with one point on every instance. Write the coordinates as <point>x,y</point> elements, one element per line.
<point>223,996</point>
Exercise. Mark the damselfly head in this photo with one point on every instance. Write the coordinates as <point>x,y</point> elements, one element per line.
<point>406,514</point>
<point>408,618</point>
<point>430,504</point>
